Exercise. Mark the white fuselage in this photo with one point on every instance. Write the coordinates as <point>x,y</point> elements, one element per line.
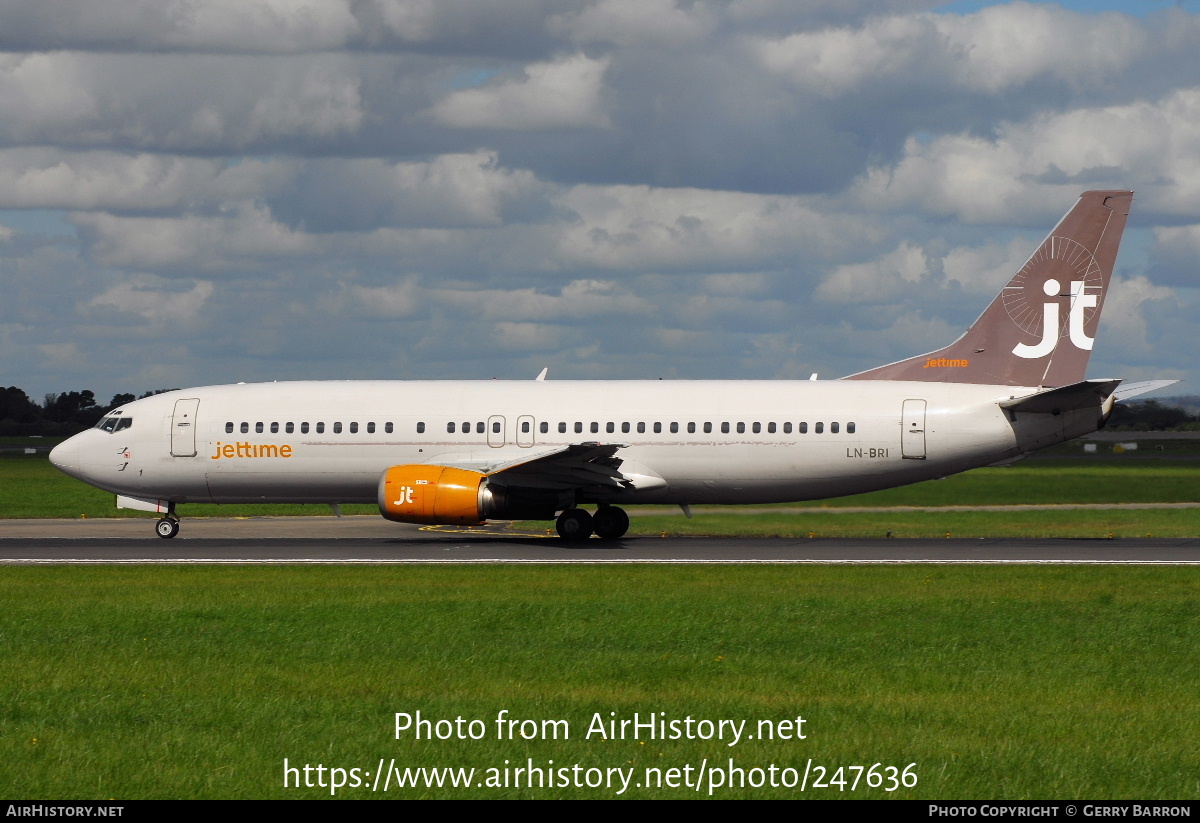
<point>684,441</point>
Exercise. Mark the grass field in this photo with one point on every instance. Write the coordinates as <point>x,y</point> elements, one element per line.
<point>996,683</point>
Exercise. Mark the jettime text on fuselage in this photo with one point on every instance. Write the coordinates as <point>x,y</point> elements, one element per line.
<point>244,449</point>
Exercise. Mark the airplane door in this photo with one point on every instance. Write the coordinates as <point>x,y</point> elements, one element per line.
<point>912,439</point>
<point>525,431</point>
<point>183,427</point>
<point>495,431</point>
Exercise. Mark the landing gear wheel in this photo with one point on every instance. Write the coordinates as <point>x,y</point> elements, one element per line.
<point>167,527</point>
<point>610,523</point>
<point>574,524</point>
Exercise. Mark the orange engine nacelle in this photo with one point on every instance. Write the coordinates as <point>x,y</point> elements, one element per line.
<point>434,495</point>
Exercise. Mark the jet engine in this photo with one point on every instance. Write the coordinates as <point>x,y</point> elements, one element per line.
<point>434,495</point>
<point>441,495</point>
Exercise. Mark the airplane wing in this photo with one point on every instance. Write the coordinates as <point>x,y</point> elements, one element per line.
<point>564,467</point>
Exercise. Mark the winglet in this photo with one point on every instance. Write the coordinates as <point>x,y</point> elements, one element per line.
<point>541,378</point>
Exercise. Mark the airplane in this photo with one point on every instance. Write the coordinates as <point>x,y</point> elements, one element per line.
<point>465,452</point>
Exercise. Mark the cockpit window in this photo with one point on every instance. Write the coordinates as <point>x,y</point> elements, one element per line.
<point>114,423</point>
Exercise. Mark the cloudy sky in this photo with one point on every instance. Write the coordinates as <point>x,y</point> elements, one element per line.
<point>211,191</point>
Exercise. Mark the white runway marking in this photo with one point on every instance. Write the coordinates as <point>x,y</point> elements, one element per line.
<point>366,561</point>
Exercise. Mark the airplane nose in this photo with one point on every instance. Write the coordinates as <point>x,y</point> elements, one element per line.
<point>65,456</point>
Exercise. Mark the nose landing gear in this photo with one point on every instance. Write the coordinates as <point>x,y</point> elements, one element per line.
<point>169,526</point>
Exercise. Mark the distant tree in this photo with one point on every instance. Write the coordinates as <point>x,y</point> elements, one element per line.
<point>1149,415</point>
<point>121,400</point>
<point>72,411</point>
<point>18,414</point>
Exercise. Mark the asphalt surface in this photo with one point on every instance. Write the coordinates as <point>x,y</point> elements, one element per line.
<point>291,540</point>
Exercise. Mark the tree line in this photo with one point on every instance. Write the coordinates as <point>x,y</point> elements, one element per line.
<point>58,414</point>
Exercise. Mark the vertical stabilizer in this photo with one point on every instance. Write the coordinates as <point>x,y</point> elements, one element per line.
<point>1039,329</point>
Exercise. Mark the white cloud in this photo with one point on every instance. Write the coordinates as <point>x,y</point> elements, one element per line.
<point>878,281</point>
<point>271,26</point>
<point>646,228</point>
<point>1044,163</point>
<point>248,236</point>
<point>144,295</point>
<point>1123,323</point>
<point>565,93</point>
<point>175,102</point>
<point>996,48</point>
<point>633,22</point>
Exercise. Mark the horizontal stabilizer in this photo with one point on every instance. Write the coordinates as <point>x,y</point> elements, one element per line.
<point>1129,390</point>
<point>1086,395</point>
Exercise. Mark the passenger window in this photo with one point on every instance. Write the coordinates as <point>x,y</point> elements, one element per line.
<point>354,428</point>
<point>229,427</point>
<point>802,428</point>
<point>370,428</point>
<point>849,428</point>
<point>274,428</point>
<point>610,427</point>
<point>258,427</point>
<point>524,427</point>
<point>578,427</point>
<point>304,428</point>
<point>595,428</point>
<point>320,428</point>
<point>387,427</point>
<point>833,428</point>
<point>674,428</point>
<point>337,428</point>
<point>420,428</point>
<point>756,428</point>
<point>450,428</point>
<point>787,428</point>
<point>724,428</point>
<point>641,428</point>
<point>289,428</point>
<point>818,428</point>
<point>741,428</point>
<point>245,428</point>
<point>691,428</point>
<point>495,427</point>
<point>657,428</point>
<point>708,428</point>
<point>562,428</point>
<point>624,428</point>
<point>479,428</point>
<point>770,428</point>
<point>543,427</point>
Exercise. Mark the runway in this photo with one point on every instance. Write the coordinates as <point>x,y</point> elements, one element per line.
<point>368,540</point>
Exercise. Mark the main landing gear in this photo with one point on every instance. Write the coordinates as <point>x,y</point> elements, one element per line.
<point>169,526</point>
<point>609,523</point>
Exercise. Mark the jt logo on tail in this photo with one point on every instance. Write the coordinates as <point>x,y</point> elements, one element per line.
<point>1019,340</point>
<point>1080,302</point>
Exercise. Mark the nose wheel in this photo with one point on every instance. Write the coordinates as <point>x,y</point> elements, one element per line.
<point>167,527</point>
